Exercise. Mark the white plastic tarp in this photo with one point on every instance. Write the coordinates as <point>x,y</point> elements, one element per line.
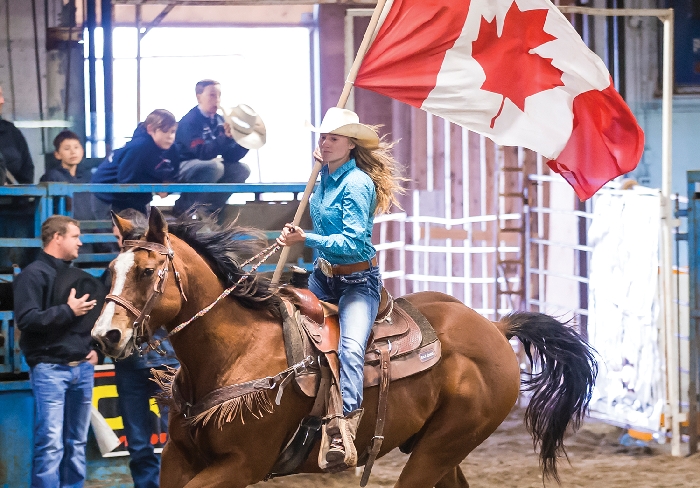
<point>624,308</point>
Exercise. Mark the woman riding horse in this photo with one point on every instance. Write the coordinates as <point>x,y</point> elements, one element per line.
<point>226,427</point>
<point>359,179</point>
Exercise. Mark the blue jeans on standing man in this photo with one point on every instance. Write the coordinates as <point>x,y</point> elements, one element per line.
<point>63,398</point>
<point>357,297</point>
<point>136,388</point>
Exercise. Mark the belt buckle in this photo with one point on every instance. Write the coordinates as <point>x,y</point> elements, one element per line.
<point>325,267</point>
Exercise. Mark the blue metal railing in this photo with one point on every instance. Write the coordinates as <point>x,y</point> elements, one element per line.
<point>60,191</point>
<point>52,196</point>
<point>56,192</point>
<point>11,360</point>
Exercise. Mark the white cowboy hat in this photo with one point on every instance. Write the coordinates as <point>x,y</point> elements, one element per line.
<point>247,127</point>
<point>346,123</point>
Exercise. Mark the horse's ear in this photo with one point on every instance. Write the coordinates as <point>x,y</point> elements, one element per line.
<point>157,227</point>
<point>124,226</point>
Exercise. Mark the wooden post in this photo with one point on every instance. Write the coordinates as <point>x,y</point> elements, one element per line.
<point>350,80</point>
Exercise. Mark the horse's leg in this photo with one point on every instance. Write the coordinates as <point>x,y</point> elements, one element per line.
<point>215,477</point>
<point>435,461</point>
<point>467,415</point>
<point>175,467</point>
<point>454,430</point>
<point>178,462</point>
<point>453,479</point>
<point>228,472</point>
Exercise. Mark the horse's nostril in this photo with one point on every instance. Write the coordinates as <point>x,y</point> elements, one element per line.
<point>99,342</point>
<point>113,336</point>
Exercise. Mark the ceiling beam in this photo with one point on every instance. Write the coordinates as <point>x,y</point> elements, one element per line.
<point>159,18</point>
<point>204,3</point>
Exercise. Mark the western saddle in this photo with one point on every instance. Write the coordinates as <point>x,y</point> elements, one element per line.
<point>402,343</point>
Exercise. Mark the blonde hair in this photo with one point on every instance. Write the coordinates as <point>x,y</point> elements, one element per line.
<point>379,163</point>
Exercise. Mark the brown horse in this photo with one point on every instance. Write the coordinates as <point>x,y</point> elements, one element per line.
<point>440,415</point>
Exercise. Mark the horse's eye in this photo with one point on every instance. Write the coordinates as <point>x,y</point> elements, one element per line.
<point>148,272</point>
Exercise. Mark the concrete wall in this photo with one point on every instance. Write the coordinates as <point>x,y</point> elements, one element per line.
<point>24,87</point>
<point>18,74</point>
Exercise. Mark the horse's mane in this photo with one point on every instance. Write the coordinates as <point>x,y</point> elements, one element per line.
<point>225,247</point>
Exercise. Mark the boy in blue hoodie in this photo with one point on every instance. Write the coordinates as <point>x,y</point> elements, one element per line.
<point>207,150</point>
<point>148,158</point>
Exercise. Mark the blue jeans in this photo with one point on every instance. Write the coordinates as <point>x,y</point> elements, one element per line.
<point>212,171</point>
<point>136,388</point>
<point>357,297</point>
<point>63,398</point>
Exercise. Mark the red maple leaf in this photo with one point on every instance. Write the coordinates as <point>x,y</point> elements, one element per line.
<point>511,69</point>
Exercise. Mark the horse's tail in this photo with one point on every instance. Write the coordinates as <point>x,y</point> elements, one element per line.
<point>562,390</point>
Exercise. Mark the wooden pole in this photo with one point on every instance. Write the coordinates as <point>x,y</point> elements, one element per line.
<point>350,80</point>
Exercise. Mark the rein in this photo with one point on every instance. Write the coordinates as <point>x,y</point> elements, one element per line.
<point>141,337</point>
<point>270,250</point>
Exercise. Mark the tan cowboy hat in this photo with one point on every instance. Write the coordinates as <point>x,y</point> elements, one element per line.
<point>346,123</point>
<point>247,127</point>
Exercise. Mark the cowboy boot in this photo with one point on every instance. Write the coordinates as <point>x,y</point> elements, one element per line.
<point>338,451</point>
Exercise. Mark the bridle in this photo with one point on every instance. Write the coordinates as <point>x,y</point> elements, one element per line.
<point>141,338</point>
<point>143,316</point>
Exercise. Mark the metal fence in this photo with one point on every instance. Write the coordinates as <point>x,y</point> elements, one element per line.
<point>46,198</point>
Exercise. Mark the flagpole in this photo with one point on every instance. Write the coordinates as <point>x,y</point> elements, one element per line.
<point>667,223</point>
<point>349,81</point>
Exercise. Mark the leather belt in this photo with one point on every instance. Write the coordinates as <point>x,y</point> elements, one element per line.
<point>73,364</point>
<point>331,270</point>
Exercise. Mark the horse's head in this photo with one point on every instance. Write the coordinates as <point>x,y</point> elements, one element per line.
<point>146,291</point>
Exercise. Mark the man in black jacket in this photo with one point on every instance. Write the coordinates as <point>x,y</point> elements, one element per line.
<point>15,151</point>
<point>56,343</point>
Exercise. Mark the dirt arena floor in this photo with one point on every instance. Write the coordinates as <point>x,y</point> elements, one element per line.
<point>506,459</point>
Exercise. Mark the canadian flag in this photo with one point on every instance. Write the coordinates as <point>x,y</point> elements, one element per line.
<point>515,71</point>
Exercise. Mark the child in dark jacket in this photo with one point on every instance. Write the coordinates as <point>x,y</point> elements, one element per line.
<point>148,158</point>
<point>69,153</point>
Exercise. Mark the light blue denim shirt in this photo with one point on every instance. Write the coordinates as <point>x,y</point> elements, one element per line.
<point>342,211</point>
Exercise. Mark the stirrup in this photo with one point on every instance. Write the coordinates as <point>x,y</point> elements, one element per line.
<point>336,452</point>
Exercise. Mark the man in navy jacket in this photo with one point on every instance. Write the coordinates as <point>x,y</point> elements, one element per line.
<point>207,150</point>
<point>149,157</point>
